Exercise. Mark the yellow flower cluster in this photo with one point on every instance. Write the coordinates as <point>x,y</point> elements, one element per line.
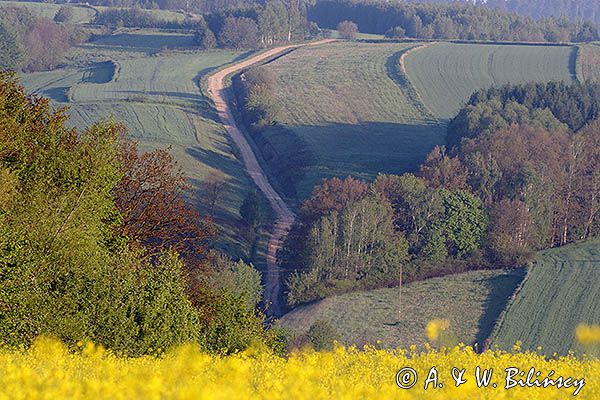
<point>435,327</point>
<point>49,371</point>
<point>588,334</point>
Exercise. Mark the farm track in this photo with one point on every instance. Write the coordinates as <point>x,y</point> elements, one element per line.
<point>284,216</point>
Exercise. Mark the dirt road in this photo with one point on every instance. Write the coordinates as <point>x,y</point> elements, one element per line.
<point>218,91</point>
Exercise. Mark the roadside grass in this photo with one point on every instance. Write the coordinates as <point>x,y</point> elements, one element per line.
<point>158,97</point>
<point>341,111</point>
<point>560,291</point>
<point>446,74</point>
<point>471,301</point>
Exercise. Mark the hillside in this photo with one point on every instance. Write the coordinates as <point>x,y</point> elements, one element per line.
<point>157,95</point>
<point>352,108</point>
<point>366,317</point>
<point>446,74</point>
<point>559,292</point>
<point>347,110</point>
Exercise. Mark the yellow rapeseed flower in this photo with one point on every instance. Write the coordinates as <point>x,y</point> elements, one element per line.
<point>588,334</point>
<point>435,327</point>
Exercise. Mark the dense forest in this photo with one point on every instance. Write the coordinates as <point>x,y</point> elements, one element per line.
<point>525,177</point>
<point>455,21</point>
<point>97,242</point>
<point>572,9</point>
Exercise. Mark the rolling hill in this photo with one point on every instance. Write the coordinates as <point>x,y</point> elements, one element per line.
<point>446,74</point>
<point>560,291</point>
<point>346,106</point>
<point>362,108</point>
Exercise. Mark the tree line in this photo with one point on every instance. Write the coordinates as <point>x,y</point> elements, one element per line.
<point>98,242</point>
<point>448,21</point>
<point>33,44</point>
<point>247,26</point>
<point>516,187</point>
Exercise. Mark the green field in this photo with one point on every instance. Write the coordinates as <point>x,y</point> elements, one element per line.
<point>81,14</point>
<point>446,74</point>
<point>350,108</point>
<point>346,108</point>
<point>157,95</point>
<point>588,62</point>
<point>560,291</point>
<point>399,319</point>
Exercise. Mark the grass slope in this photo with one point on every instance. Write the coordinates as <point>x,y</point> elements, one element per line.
<point>346,108</point>
<point>156,94</point>
<point>366,317</point>
<point>561,290</point>
<point>446,74</point>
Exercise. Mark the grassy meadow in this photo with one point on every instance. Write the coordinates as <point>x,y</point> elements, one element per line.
<point>156,93</point>
<point>559,292</point>
<point>346,108</point>
<point>81,14</point>
<point>446,74</point>
<point>398,318</point>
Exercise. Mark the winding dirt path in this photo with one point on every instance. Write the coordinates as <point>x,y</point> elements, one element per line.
<point>284,216</point>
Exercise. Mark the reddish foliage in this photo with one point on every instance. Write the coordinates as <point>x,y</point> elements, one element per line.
<point>442,171</point>
<point>333,195</point>
<point>156,215</point>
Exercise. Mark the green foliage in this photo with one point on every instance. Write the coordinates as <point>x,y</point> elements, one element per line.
<point>12,54</point>
<point>396,32</point>
<point>347,29</point>
<point>321,335</point>
<point>464,221</point>
<point>357,244</point>
<point>206,38</point>
<point>239,33</point>
<point>250,209</point>
<point>238,278</point>
<point>542,106</point>
<point>64,269</point>
<point>234,328</point>
<point>172,114</point>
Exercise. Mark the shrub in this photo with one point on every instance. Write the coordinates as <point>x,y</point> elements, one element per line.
<point>322,334</point>
<point>347,29</point>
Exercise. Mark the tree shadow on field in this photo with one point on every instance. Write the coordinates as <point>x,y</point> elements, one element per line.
<point>234,183</point>
<point>301,156</point>
<point>501,288</point>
